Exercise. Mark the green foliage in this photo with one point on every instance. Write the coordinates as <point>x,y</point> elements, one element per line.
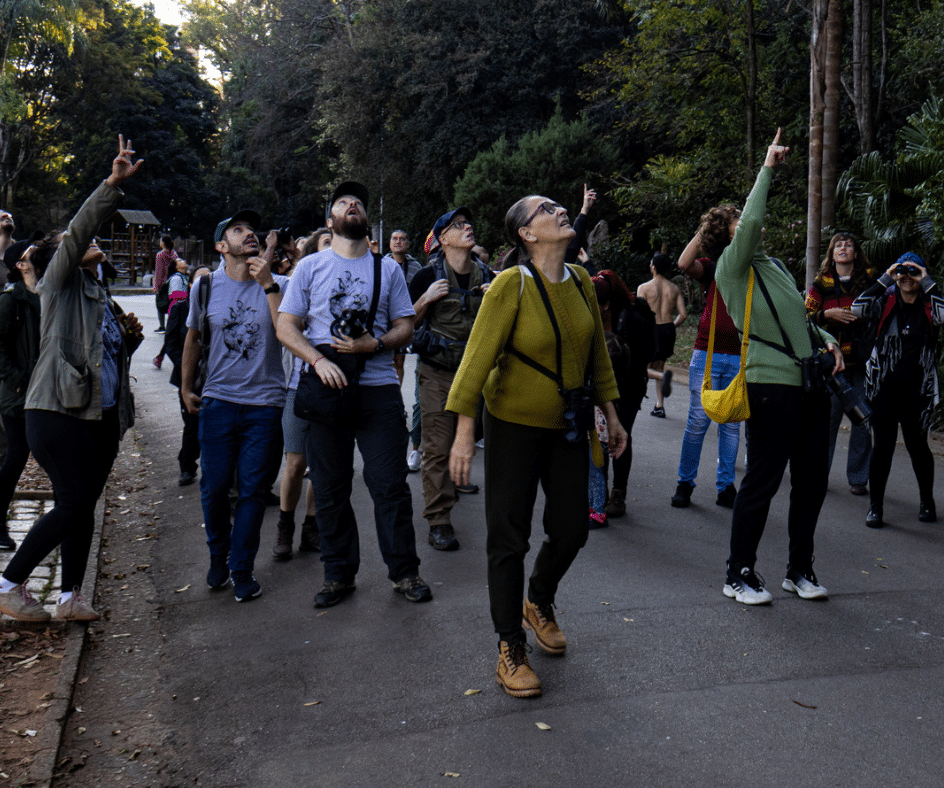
<point>555,161</point>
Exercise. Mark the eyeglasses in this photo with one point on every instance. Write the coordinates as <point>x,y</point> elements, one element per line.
<point>548,206</point>
<point>460,224</point>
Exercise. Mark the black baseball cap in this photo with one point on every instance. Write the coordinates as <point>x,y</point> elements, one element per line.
<point>443,221</point>
<point>250,217</point>
<point>353,188</point>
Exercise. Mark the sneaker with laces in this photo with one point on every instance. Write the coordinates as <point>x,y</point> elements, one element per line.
<point>747,587</point>
<point>333,591</point>
<point>514,672</point>
<point>927,511</point>
<point>541,621</point>
<point>245,586</point>
<point>413,588</point>
<point>658,412</point>
<point>218,576</point>
<point>76,609</point>
<point>804,585</point>
<point>20,604</point>
<point>415,461</point>
<point>282,549</point>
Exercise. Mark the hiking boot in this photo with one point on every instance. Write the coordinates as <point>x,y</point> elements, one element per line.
<point>667,383</point>
<point>413,588</point>
<point>332,592</point>
<point>186,478</point>
<point>514,672</point>
<point>442,537</point>
<point>874,518</point>
<point>747,587</point>
<point>7,545</point>
<point>218,576</point>
<point>245,586</point>
<point>927,512</point>
<point>311,539</point>
<point>804,585</point>
<point>76,609</point>
<point>282,550</point>
<point>616,506</point>
<point>20,604</point>
<point>540,620</point>
<point>726,497</point>
<point>683,495</point>
<point>414,461</point>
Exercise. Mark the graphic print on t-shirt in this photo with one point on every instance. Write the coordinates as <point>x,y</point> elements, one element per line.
<point>241,332</point>
<point>350,293</point>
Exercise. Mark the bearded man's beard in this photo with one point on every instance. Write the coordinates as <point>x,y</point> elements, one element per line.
<point>353,228</point>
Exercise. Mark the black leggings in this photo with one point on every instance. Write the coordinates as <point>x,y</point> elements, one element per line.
<point>889,409</point>
<point>626,410</point>
<point>17,455</point>
<point>77,455</point>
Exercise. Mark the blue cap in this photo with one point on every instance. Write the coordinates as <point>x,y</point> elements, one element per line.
<point>446,219</point>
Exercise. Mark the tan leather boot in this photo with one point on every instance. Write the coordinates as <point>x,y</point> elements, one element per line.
<point>541,621</point>
<point>514,672</point>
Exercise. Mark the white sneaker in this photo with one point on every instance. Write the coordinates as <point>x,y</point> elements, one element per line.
<point>804,586</point>
<point>415,460</point>
<point>480,443</point>
<point>747,588</point>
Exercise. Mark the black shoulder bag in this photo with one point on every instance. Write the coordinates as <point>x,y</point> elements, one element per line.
<point>314,401</point>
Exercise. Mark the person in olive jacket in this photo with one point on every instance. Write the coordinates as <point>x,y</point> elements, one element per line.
<point>19,349</point>
<point>78,404</point>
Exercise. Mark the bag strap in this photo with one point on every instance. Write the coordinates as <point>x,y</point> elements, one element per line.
<point>375,298</point>
<point>787,347</point>
<point>745,341</point>
<point>203,301</point>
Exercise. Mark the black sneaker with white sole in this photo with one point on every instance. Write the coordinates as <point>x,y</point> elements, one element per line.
<point>804,585</point>
<point>746,587</point>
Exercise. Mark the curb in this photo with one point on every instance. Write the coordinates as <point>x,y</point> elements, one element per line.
<point>49,738</point>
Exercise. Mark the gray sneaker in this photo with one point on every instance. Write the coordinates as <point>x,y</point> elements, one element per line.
<point>413,588</point>
<point>20,604</point>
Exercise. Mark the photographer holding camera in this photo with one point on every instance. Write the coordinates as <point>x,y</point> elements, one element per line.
<point>900,376</point>
<point>786,423</point>
<point>538,354</point>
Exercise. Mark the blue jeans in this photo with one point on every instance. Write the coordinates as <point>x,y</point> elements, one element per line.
<point>724,368</point>
<point>860,437</point>
<point>238,439</point>
<point>381,435</point>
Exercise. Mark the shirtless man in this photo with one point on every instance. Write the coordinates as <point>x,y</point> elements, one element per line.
<point>663,298</point>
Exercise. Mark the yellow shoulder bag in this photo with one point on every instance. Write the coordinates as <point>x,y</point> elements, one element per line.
<point>729,405</point>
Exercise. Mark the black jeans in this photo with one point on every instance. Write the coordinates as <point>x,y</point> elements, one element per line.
<point>786,425</point>
<point>627,408</point>
<point>517,457</point>
<point>889,409</point>
<point>381,435</point>
<point>77,454</point>
<point>17,455</point>
<point>189,440</point>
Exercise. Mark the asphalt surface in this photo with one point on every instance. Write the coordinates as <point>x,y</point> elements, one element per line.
<point>665,681</point>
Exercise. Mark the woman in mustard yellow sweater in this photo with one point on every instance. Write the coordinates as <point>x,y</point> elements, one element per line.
<point>537,353</point>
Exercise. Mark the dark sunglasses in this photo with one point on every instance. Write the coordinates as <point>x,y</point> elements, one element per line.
<point>908,270</point>
<point>548,206</point>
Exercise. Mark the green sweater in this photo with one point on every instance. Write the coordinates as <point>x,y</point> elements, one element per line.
<point>513,390</point>
<point>764,363</point>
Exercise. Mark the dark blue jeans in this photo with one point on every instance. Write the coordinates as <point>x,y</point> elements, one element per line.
<point>381,435</point>
<point>786,426</point>
<point>235,439</point>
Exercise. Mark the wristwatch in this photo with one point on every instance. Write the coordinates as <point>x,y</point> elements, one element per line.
<point>273,288</point>
<point>380,345</point>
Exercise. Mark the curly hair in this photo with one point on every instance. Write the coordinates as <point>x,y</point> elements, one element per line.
<point>715,229</point>
<point>861,273</point>
<point>610,288</point>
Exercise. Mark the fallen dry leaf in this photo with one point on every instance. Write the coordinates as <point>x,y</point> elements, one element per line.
<point>122,635</point>
<point>803,705</point>
<point>80,730</point>
<point>450,774</point>
<point>543,726</point>
<point>134,755</point>
<point>472,692</point>
<point>313,703</point>
<point>179,590</point>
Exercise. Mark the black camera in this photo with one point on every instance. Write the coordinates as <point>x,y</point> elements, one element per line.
<point>818,377</point>
<point>578,412</point>
<point>351,323</point>
<point>284,235</point>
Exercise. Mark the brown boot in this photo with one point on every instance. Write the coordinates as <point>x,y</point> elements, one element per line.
<point>514,672</point>
<point>282,550</point>
<point>616,506</point>
<point>540,620</point>
<point>311,539</point>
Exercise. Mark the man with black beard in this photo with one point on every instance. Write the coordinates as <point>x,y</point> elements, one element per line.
<point>328,293</point>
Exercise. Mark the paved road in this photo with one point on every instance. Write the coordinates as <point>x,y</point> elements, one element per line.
<point>665,682</point>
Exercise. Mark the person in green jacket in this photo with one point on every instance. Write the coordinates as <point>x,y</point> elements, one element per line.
<point>786,423</point>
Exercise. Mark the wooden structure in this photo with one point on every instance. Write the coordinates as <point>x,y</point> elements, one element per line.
<point>133,243</point>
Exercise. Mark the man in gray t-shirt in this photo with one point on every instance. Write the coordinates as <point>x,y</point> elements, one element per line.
<point>325,288</point>
<point>240,405</point>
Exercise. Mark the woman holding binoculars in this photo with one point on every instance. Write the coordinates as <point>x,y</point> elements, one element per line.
<point>900,376</point>
<point>537,349</point>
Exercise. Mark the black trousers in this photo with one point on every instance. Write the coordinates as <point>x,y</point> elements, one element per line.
<point>786,426</point>
<point>517,458</point>
<point>889,409</point>
<point>77,455</point>
<point>15,461</point>
<point>627,408</point>
<point>190,439</point>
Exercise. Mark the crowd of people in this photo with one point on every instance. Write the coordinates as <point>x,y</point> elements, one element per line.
<point>291,353</point>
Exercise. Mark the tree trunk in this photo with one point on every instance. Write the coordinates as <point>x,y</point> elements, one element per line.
<point>861,94</point>
<point>751,87</point>
<point>817,107</point>
<point>832,94</point>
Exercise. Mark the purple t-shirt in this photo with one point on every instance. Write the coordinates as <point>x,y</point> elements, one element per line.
<point>325,284</point>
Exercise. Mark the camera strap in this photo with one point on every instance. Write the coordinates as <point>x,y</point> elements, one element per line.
<point>787,347</point>
<point>558,378</point>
